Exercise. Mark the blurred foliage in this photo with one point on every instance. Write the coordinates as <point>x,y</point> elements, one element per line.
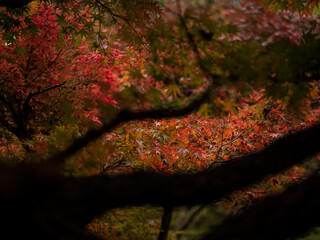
<point>313,234</point>
<point>129,223</point>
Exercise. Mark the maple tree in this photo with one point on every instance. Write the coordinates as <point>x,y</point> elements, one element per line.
<point>43,74</point>
<point>181,51</point>
<point>196,143</point>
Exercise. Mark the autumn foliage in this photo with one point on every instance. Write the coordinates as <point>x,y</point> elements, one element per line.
<point>69,70</point>
<point>47,77</point>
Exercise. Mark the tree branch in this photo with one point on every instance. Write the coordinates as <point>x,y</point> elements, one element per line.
<point>126,20</point>
<point>42,202</point>
<point>32,94</point>
<point>25,107</point>
<point>13,111</point>
<point>192,217</point>
<point>99,193</point>
<point>287,215</point>
<point>8,126</point>
<point>126,116</point>
<point>165,223</point>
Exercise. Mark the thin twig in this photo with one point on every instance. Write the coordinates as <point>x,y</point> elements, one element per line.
<point>126,20</point>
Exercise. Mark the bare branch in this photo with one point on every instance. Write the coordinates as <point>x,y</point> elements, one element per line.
<point>107,167</point>
<point>126,20</point>
<point>110,11</point>
<point>46,89</point>
<point>25,108</point>
<point>32,94</point>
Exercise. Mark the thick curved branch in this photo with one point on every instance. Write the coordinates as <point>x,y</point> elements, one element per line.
<point>290,214</point>
<point>65,205</point>
<point>98,193</point>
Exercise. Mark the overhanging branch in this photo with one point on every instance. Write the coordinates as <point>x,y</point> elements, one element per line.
<point>290,214</point>
<point>98,193</point>
<point>30,193</point>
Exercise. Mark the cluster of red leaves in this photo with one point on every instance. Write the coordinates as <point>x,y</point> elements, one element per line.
<point>196,142</point>
<point>40,61</point>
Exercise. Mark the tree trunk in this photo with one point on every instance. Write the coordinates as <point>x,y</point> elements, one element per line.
<point>165,223</point>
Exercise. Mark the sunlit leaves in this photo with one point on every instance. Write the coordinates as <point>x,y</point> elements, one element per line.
<point>195,142</point>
